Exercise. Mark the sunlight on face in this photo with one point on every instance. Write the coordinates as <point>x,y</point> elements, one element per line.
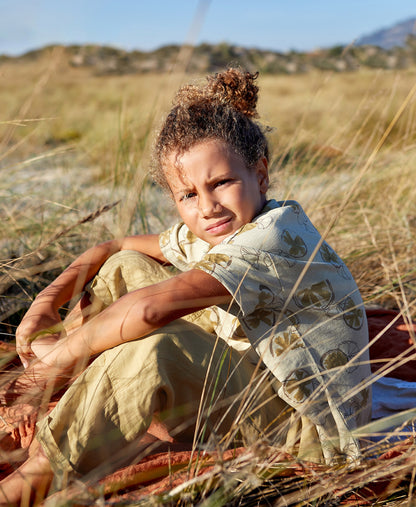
<point>214,191</point>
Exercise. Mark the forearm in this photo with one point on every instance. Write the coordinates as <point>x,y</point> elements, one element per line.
<point>122,321</point>
<point>139,313</point>
<point>73,280</point>
<point>119,323</point>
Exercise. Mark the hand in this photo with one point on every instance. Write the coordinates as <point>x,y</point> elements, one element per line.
<point>57,362</point>
<point>46,349</point>
<point>54,365</point>
<point>40,317</point>
<point>29,387</point>
<point>57,355</point>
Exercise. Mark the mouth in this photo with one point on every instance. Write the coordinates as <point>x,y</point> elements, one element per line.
<point>219,226</point>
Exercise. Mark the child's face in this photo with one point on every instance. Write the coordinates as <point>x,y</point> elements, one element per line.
<point>214,191</point>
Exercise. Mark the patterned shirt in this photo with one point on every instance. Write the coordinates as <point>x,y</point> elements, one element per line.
<point>300,309</point>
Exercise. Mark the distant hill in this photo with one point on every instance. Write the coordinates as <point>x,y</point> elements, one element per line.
<point>105,60</point>
<point>388,38</point>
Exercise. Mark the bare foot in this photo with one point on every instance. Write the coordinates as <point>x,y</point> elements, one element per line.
<point>32,385</point>
<point>30,482</point>
<point>17,429</point>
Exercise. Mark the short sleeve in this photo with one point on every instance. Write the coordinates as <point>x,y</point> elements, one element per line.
<point>244,271</point>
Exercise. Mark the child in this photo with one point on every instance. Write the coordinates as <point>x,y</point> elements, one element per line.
<point>258,291</point>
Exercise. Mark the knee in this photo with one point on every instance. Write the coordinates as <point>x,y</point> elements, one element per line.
<point>126,260</point>
<point>124,272</point>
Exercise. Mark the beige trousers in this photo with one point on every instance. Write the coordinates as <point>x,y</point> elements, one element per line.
<point>182,375</point>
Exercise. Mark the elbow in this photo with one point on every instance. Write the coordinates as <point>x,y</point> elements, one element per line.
<point>153,316</point>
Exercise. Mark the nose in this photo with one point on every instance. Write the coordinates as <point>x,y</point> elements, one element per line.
<point>208,205</point>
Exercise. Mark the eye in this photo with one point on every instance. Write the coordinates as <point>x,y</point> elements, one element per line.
<point>187,196</point>
<point>222,182</point>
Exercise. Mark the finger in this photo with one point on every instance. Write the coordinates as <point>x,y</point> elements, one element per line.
<point>26,359</point>
<point>23,349</point>
<point>23,346</point>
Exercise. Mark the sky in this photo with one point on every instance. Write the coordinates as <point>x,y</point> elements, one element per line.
<point>279,25</point>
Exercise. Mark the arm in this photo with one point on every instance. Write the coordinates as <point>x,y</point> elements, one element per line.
<point>137,314</point>
<point>43,312</point>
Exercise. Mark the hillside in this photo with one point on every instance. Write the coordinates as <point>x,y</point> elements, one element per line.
<point>393,36</point>
<point>104,60</point>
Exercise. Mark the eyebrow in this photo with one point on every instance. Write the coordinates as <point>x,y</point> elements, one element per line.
<point>183,191</point>
<point>224,175</point>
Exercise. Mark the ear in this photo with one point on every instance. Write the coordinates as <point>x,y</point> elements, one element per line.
<point>262,173</point>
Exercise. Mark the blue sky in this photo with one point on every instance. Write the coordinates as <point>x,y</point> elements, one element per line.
<point>147,24</point>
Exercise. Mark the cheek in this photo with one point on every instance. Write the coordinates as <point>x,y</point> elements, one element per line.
<point>185,212</point>
<point>236,201</point>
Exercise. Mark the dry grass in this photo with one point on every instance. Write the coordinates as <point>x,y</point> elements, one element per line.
<point>73,143</point>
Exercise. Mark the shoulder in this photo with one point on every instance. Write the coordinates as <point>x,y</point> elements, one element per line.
<point>281,213</point>
<point>278,222</point>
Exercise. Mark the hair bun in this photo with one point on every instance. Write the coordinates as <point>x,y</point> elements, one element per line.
<point>236,88</point>
<point>231,87</point>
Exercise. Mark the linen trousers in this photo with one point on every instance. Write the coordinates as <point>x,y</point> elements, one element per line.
<point>182,376</point>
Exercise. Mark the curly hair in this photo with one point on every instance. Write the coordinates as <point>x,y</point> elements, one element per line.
<point>224,109</point>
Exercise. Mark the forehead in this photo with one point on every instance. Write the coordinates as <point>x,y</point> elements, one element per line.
<point>201,160</point>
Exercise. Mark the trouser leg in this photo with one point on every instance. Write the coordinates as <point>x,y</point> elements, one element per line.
<point>107,410</point>
<point>103,415</point>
